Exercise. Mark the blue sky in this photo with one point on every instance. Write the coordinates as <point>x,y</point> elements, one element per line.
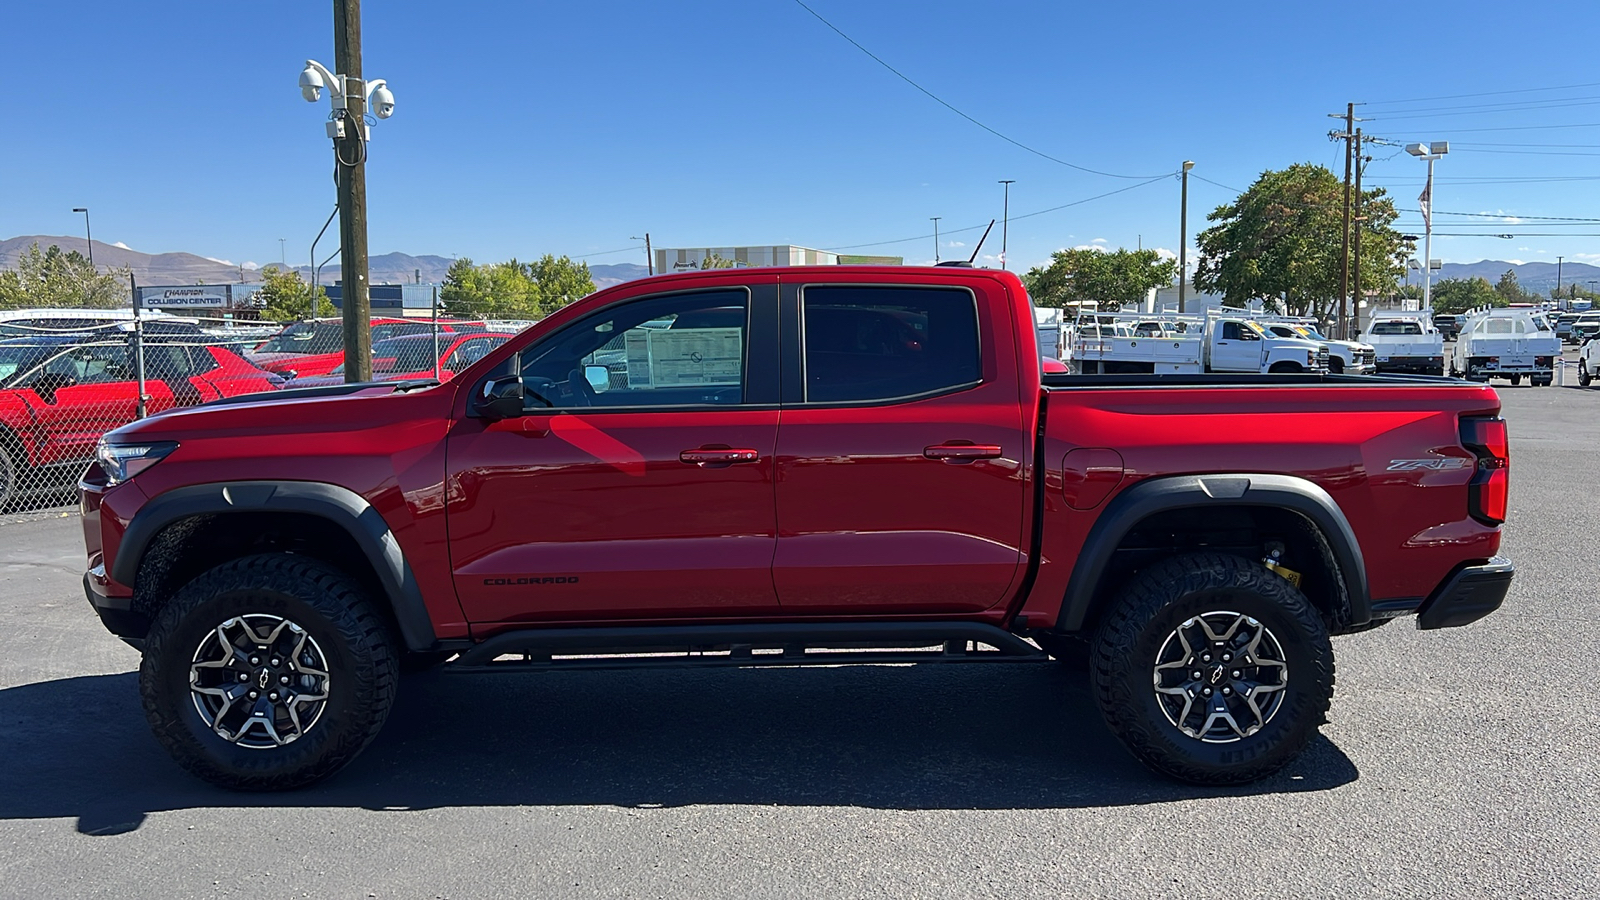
<point>526,128</point>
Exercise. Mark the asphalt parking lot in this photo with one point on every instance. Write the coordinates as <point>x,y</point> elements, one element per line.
<point>1458,763</point>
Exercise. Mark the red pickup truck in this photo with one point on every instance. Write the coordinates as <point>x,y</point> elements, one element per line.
<point>783,467</point>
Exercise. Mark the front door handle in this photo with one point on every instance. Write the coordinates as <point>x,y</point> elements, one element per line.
<point>707,457</point>
<point>962,452</point>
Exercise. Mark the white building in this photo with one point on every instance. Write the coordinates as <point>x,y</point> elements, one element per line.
<point>690,259</point>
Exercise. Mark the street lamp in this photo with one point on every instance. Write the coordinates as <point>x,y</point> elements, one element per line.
<point>1005,224</point>
<point>936,238</point>
<point>87,237</point>
<point>1430,152</point>
<point>649,256</point>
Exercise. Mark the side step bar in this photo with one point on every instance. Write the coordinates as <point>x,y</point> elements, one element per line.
<point>785,644</point>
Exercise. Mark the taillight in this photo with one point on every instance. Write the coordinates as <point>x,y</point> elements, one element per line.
<point>1486,493</point>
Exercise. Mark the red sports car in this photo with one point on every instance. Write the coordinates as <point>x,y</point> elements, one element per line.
<point>412,356</point>
<point>59,393</point>
<point>316,346</point>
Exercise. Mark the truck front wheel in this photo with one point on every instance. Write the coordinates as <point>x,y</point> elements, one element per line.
<point>268,672</point>
<point>1583,374</point>
<point>1212,669</point>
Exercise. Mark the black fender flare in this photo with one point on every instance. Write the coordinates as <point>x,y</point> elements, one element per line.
<point>1157,495</point>
<point>341,506</point>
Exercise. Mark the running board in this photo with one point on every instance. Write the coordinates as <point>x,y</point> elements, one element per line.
<point>712,646</point>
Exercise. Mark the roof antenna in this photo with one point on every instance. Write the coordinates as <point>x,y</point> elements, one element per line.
<point>974,256</point>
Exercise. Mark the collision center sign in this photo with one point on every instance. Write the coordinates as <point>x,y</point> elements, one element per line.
<point>203,296</point>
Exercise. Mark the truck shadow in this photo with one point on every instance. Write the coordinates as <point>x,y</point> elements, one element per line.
<point>931,737</point>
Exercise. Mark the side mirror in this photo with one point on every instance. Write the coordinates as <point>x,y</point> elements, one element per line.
<point>502,398</point>
<point>599,378</point>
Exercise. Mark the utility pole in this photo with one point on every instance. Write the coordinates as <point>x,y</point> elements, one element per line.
<point>1005,222</point>
<point>283,258</point>
<point>936,238</point>
<point>1558,276</point>
<point>1183,241</point>
<point>351,150</point>
<point>1344,327</point>
<point>88,236</point>
<point>1344,252</point>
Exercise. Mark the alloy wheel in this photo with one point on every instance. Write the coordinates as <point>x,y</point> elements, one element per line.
<point>1220,676</point>
<point>259,681</point>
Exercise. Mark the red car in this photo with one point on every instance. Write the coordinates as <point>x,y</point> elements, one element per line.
<point>411,357</point>
<point>60,393</point>
<point>776,467</point>
<point>316,346</point>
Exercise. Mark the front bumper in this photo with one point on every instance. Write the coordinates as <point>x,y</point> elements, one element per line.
<point>1468,595</point>
<point>116,613</point>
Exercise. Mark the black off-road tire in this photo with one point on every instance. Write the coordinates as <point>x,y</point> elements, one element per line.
<point>1069,650</point>
<point>362,668</point>
<point>1151,608</point>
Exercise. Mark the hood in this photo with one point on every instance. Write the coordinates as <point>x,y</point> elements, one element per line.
<point>316,410</point>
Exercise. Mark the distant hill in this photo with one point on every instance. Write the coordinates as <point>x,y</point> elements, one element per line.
<point>1538,277</point>
<point>186,268</point>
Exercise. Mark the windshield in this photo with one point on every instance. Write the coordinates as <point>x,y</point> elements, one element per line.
<point>306,337</point>
<point>18,360</point>
<point>407,354</point>
<point>1312,333</point>
<point>1396,328</point>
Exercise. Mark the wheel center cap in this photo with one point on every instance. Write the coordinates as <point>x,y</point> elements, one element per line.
<point>263,678</point>
<point>1217,675</point>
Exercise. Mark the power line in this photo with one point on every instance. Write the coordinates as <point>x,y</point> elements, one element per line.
<point>1519,128</point>
<point>945,231</point>
<point>609,252</point>
<point>1406,114</point>
<point>937,99</point>
<point>1564,87</point>
<point>1440,212</point>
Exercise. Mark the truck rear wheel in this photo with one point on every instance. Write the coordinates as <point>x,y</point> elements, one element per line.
<point>1583,374</point>
<point>1213,670</point>
<point>268,672</point>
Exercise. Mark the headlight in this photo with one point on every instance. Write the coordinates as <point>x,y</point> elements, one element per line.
<point>121,462</point>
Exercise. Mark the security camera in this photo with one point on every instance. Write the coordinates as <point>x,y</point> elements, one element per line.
<point>383,103</point>
<point>311,84</point>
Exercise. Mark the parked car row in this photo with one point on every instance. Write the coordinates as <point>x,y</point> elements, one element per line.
<point>69,376</point>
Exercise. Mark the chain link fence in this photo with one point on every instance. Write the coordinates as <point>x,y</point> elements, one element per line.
<point>66,381</point>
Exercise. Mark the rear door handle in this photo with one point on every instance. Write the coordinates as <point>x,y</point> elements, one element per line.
<point>962,452</point>
<point>707,457</point>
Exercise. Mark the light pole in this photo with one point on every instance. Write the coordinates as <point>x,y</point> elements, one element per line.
<point>283,261</point>
<point>649,257</point>
<point>87,237</point>
<point>1005,222</point>
<point>1183,240</point>
<point>1430,152</point>
<point>936,238</point>
<point>350,96</point>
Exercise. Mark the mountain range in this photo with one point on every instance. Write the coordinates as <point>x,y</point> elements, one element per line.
<point>402,268</point>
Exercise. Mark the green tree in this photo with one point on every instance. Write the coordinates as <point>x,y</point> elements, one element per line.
<point>1453,295</point>
<point>716,262</point>
<point>514,289</point>
<point>54,279</point>
<point>1111,279</point>
<point>1509,290</point>
<point>286,297</point>
<point>1280,242</point>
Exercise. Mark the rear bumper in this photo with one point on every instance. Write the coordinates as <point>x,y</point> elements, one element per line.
<point>1467,595</point>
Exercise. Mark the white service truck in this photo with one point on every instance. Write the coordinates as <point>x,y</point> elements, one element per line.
<point>1344,357</point>
<point>1506,343</point>
<point>1406,341</point>
<point>1223,343</point>
<point>1588,362</point>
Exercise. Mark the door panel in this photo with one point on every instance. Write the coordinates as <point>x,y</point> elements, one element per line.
<point>879,512</point>
<point>594,515</point>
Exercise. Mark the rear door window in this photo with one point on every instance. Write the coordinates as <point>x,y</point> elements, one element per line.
<point>868,343</point>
